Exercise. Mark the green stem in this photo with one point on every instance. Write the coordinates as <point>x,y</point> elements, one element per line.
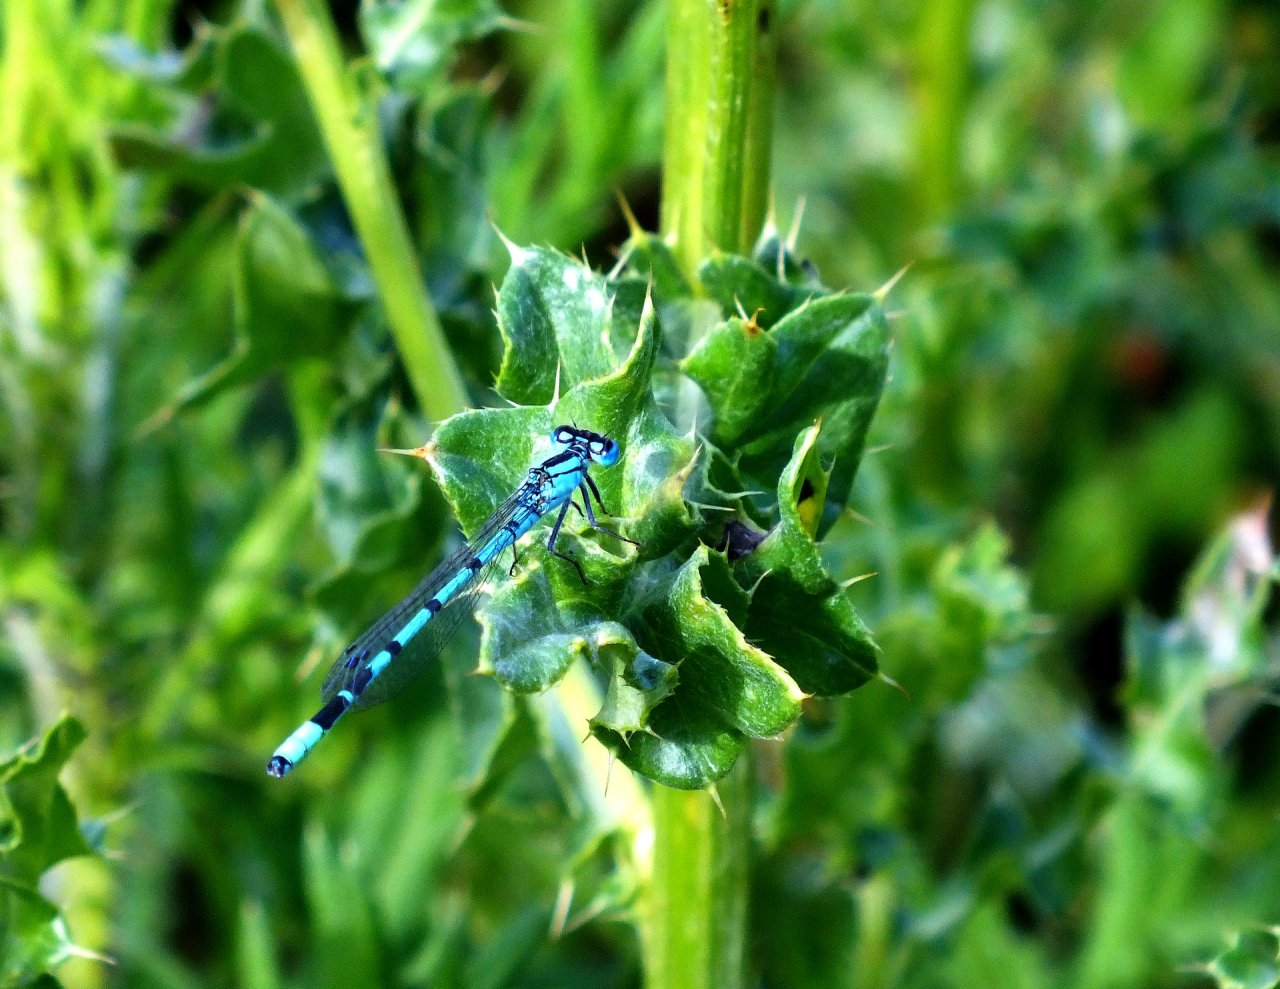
<point>942,85</point>
<point>719,126</point>
<point>695,928</point>
<point>349,123</point>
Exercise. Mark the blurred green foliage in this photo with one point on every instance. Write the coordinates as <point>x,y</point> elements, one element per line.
<point>1077,786</point>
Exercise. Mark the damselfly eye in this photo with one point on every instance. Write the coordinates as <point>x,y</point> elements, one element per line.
<point>607,455</point>
<point>561,435</point>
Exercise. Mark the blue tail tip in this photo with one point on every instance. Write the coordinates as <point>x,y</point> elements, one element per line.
<point>278,766</point>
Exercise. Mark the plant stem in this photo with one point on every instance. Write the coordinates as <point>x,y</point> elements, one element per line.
<point>695,934</point>
<point>719,126</point>
<point>942,84</point>
<point>348,121</point>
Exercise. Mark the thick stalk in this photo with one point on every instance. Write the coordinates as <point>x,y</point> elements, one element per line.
<point>695,930</point>
<point>942,84</point>
<point>719,125</point>
<point>348,121</point>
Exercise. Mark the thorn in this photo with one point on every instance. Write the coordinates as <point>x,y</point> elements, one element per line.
<point>880,293</point>
<point>154,422</point>
<point>560,913</point>
<point>516,24</point>
<point>517,252</point>
<point>873,450</point>
<point>886,679</point>
<point>859,517</point>
<point>633,225</point>
<point>793,235</point>
<point>493,81</point>
<point>624,258</point>
<point>423,452</point>
<point>756,586</point>
<point>846,584</point>
<point>769,230</point>
<point>686,472</point>
<point>715,796</point>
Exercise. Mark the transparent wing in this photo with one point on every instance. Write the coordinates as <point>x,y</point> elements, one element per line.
<point>432,638</point>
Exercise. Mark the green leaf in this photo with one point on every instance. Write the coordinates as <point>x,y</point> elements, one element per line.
<point>819,358</point>
<point>190,70</point>
<point>480,457</point>
<point>554,316</point>
<point>652,263</point>
<point>381,525</point>
<point>410,40</point>
<point>647,486</point>
<point>259,132</point>
<point>288,306</point>
<point>529,642</point>
<point>1252,961</point>
<point>740,285</point>
<point>830,651</point>
<point>33,937</point>
<point>357,482</point>
<point>452,224</point>
<point>346,941</point>
<point>37,830</point>
<point>735,364</point>
<point>637,684</point>
<point>40,826</point>
<point>833,358</point>
<point>685,745</point>
<point>719,669</point>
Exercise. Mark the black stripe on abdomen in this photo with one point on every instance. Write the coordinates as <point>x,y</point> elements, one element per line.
<point>331,712</point>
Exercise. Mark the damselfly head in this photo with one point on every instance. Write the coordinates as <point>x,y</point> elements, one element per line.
<point>601,449</point>
<point>604,451</point>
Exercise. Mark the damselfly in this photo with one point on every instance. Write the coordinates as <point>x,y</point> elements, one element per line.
<point>412,633</point>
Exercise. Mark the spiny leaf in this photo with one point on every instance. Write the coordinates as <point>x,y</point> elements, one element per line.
<point>686,746</point>
<point>719,668</point>
<point>33,938</point>
<point>410,41</point>
<point>288,306</point>
<point>554,315</point>
<point>833,357</point>
<point>38,829</point>
<point>529,641</point>
<point>637,684</point>
<point>735,364</point>
<point>41,827</point>
<point>830,651</point>
<point>740,283</point>
<point>260,133</point>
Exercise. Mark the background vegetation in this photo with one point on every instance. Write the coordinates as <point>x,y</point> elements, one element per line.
<point>1063,501</point>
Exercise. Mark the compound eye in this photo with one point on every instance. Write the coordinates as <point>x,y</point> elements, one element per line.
<point>607,455</point>
<point>561,435</point>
